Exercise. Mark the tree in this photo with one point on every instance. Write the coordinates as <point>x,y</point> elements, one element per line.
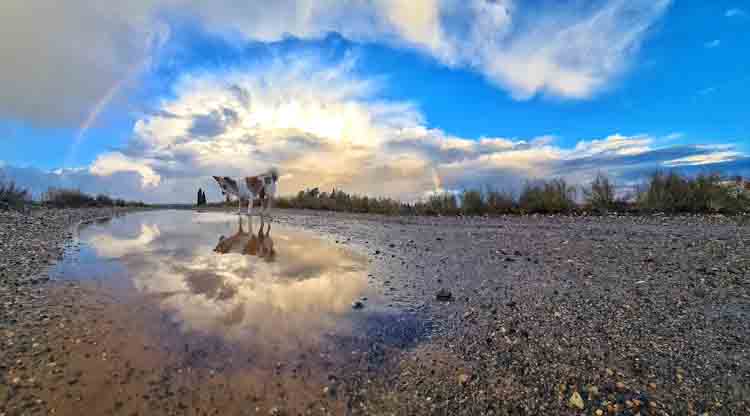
<point>201,197</point>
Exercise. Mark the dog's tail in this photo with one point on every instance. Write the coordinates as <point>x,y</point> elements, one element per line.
<point>274,174</point>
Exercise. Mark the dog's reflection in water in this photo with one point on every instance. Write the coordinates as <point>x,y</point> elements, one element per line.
<point>248,243</point>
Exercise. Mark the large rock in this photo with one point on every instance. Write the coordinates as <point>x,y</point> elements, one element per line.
<point>444,295</point>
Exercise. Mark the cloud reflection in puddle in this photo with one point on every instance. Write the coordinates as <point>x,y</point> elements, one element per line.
<point>270,288</point>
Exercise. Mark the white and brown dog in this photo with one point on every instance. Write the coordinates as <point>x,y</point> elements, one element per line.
<point>251,188</point>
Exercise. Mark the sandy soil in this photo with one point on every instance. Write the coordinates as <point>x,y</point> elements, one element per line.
<point>547,315</point>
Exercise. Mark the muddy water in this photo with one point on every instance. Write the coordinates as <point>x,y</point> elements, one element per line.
<point>207,313</point>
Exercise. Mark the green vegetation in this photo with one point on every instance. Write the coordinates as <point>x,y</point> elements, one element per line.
<point>201,198</point>
<point>662,192</point>
<point>553,197</point>
<point>11,196</point>
<point>600,195</point>
<point>341,201</point>
<point>17,198</point>
<point>673,193</point>
<point>667,192</point>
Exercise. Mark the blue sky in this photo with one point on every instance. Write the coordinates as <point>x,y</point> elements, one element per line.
<point>388,99</point>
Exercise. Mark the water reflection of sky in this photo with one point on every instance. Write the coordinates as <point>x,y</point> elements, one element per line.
<point>300,292</point>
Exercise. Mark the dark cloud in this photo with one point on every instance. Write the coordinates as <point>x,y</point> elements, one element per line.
<point>213,124</point>
<point>453,150</point>
<point>739,166</point>
<point>647,160</point>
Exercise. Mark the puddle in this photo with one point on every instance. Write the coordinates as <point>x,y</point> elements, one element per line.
<point>220,275</point>
<point>193,298</point>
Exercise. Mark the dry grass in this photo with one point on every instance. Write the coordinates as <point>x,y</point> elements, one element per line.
<point>74,198</point>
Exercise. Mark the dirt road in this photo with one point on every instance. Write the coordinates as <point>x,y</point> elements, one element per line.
<point>536,315</point>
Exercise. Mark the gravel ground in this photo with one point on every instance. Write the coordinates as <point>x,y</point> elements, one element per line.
<point>561,315</point>
<point>537,315</point>
<point>29,244</point>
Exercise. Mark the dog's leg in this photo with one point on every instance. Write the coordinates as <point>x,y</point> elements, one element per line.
<point>250,206</point>
<point>269,205</point>
<point>239,205</point>
<point>264,206</point>
<point>260,210</point>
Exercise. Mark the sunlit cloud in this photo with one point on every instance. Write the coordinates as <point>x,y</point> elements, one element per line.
<point>325,126</point>
<point>572,53</point>
<point>707,159</point>
<point>107,164</point>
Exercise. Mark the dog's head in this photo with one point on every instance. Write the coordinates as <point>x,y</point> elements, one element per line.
<point>228,185</point>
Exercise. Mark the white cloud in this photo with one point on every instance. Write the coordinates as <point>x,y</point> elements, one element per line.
<point>614,145</point>
<point>569,57</point>
<point>323,125</point>
<point>79,53</point>
<point>713,44</point>
<point>109,163</point>
<point>570,52</point>
<point>705,159</point>
<point>735,12</point>
<point>108,246</point>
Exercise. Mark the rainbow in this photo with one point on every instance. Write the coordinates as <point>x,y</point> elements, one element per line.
<point>133,71</point>
<point>99,107</point>
<point>437,182</point>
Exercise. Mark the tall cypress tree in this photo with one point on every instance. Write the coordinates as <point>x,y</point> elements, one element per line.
<point>200,197</point>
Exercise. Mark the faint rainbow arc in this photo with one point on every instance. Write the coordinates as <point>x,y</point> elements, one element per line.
<point>99,107</point>
<point>437,181</point>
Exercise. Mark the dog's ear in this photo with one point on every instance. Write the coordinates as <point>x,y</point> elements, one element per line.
<point>217,179</point>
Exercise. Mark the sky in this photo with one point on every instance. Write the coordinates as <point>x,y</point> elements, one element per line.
<point>148,99</point>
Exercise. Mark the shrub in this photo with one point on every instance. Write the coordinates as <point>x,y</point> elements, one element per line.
<point>12,196</point>
<point>341,201</point>
<point>666,192</point>
<point>68,198</point>
<point>438,204</point>
<point>472,203</point>
<point>499,203</point>
<point>104,201</point>
<point>674,193</point>
<point>551,197</point>
<point>74,198</point>
<point>600,196</point>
